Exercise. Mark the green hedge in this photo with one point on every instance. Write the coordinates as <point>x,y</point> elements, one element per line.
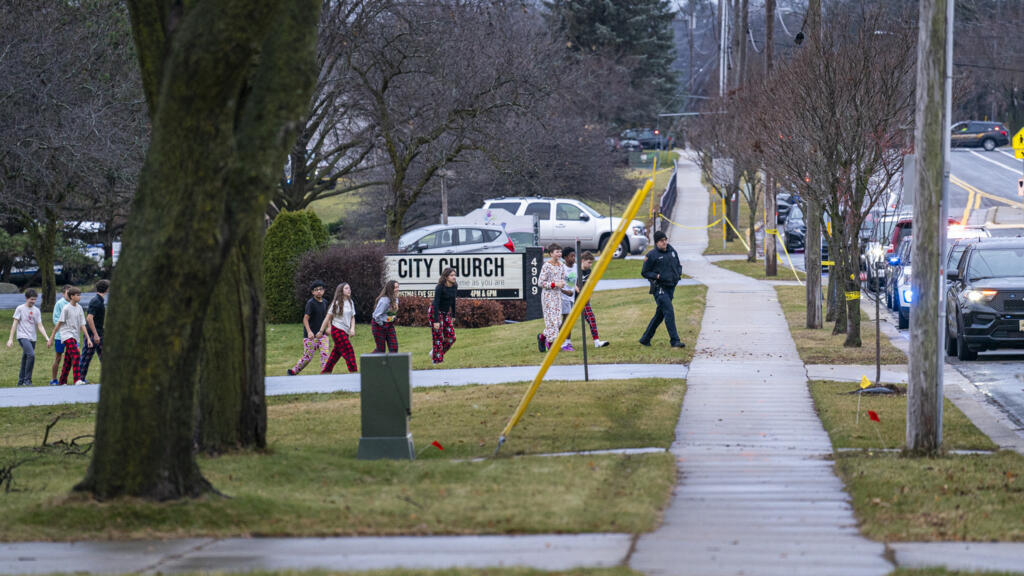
<point>290,236</point>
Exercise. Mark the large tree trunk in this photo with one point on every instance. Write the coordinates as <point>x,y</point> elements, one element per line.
<point>232,408</point>
<point>838,279</point>
<point>812,263</point>
<point>226,86</point>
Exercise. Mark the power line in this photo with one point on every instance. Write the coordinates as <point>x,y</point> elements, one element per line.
<point>984,67</point>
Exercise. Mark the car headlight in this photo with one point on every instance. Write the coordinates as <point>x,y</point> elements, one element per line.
<point>639,230</point>
<point>980,295</point>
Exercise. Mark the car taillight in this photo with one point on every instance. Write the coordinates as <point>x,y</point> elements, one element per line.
<point>889,250</point>
<point>1003,132</point>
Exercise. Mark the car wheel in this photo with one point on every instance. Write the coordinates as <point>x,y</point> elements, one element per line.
<point>963,352</point>
<point>951,343</point>
<point>989,144</point>
<point>904,319</point>
<point>622,250</point>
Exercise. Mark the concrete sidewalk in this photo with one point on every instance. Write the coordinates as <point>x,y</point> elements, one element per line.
<point>758,493</point>
<point>330,383</point>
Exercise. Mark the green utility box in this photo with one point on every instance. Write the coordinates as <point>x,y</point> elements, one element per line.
<point>385,398</point>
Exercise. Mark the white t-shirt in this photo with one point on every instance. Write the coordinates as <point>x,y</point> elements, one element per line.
<point>343,321</point>
<point>27,319</point>
<point>73,319</point>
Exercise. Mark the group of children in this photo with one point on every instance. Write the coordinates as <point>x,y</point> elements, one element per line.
<point>559,288</point>
<point>340,318</point>
<point>70,323</point>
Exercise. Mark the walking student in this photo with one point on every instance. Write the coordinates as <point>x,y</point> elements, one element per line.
<point>662,269</point>
<point>313,321</point>
<point>94,319</point>
<point>27,319</point>
<point>568,291</point>
<point>70,326</point>
<point>58,345</point>
<point>442,315</point>
<point>551,281</point>
<point>341,317</point>
<point>586,266</point>
<point>383,324</point>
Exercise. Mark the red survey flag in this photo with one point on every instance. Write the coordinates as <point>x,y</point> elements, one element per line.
<point>511,247</point>
<point>437,444</point>
<point>874,416</point>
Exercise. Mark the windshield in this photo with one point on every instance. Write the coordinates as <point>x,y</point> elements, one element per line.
<point>996,263</point>
<point>795,214</point>
<point>592,212</point>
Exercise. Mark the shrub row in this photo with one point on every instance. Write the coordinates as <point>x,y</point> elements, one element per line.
<point>412,311</point>
<point>291,235</point>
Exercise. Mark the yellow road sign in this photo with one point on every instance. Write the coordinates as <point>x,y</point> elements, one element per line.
<point>1018,143</point>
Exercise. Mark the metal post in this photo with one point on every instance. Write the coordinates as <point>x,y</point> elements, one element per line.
<point>583,321</point>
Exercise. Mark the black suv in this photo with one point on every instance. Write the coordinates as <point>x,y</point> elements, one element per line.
<point>985,298</point>
<point>987,135</point>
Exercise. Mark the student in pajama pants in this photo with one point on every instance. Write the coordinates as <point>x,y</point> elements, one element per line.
<point>384,313</point>
<point>341,317</point>
<point>313,339</point>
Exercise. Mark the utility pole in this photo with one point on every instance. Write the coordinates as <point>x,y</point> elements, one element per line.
<point>723,46</point>
<point>771,258</point>
<point>931,141</point>
<point>693,28</point>
<point>812,240</point>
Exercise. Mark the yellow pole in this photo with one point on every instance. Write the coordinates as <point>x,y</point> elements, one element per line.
<point>654,171</point>
<point>577,308</point>
<point>724,219</point>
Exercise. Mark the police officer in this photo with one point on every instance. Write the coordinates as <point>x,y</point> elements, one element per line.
<point>663,270</point>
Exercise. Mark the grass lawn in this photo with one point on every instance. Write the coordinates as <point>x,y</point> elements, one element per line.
<point>820,346</point>
<point>622,316</point>
<point>335,208</point>
<point>756,269</point>
<point>310,484</point>
<point>944,572</point>
<point>897,498</point>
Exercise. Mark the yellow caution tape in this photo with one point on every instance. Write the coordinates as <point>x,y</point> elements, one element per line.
<point>852,296</point>
<point>738,235</point>
<point>786,252</point>
<point>688,227</point>
<point>771,231</point>
<point>828,263</point>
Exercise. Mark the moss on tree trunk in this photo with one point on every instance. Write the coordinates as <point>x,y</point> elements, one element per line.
<point>226,83</point>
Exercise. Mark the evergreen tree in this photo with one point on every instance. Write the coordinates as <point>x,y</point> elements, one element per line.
<point>636,34</point>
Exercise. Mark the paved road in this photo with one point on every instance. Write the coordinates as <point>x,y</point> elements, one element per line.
<point>982,180</point>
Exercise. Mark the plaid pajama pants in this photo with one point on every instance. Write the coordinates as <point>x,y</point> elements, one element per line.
<point>310,346</point>
<point>71,360</point>
<point>87,354</point>
<point>342,348</point>
<point>443,337</point>
<point>384,335</point>
<point>588,315</point>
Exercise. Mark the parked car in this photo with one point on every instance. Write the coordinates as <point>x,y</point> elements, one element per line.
<point>563,220</point>
<point>784,201</point>
<point>647,138</point>
<point>898,294</point>
<point>873,251</point>
<point>985,298</point>
<point>452,239</point>
<point>987,135</point>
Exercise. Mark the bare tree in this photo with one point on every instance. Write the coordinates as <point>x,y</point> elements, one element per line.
<point>839,124</point>
<point>72,120</point>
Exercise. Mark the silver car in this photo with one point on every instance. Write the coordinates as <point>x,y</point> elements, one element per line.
<point>455,239</point>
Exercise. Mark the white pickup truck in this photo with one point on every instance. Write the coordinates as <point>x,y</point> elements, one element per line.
<point>563,220</point>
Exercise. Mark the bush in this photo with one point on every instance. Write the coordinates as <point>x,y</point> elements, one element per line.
<point>290,236</point>
<point>514,310</point>
<point>412,311</point>
<point>361,265</point>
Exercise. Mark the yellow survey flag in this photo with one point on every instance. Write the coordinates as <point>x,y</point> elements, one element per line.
<point>864,382</point>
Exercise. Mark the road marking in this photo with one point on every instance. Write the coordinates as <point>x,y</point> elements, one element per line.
<point>1005,153</point>
<point>1000,164</point>
<point>967,208</point>
<point>977,202</point>
<point>980,194</point>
